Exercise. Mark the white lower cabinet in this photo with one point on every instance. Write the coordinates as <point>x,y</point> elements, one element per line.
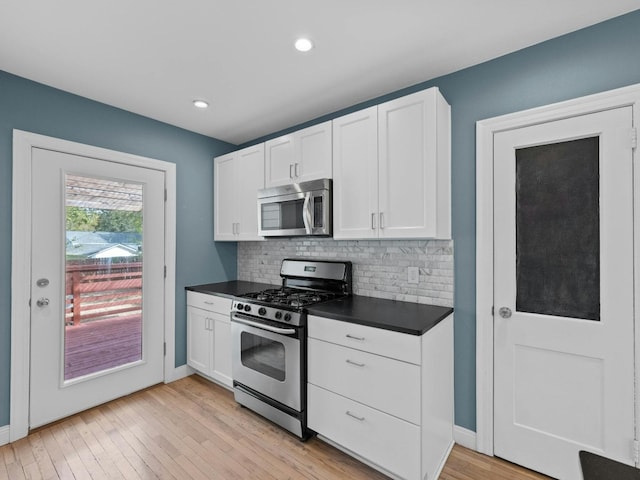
<point>359,378</point>
<point>386,397</point>
<point>392,443</point>
<point>209,336</point>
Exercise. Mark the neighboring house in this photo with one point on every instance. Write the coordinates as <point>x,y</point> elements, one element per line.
<point>103,244</point>
<point>116,251</point>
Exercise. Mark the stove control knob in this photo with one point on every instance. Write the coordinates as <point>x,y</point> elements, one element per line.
<point>287,317</point>
<point>247,308</point>
<point>262,311</point>
<point>278,315</point>
<point>239,306</point>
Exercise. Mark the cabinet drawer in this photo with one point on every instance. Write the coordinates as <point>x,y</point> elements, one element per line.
<point>212,303</point>
<point>369,339</point>
<point>389,385</point>
<point>382,439</point>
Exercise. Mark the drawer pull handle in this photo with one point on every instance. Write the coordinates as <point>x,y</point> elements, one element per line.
<point>209,303</point>
<point>353,337</point>
<point>354,363</point>
<point>353,415</point>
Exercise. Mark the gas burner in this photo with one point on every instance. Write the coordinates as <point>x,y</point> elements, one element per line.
<point>290,297</point>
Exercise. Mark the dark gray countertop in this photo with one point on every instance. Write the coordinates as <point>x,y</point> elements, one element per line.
<point>232,288</point>
<point>404,317</point>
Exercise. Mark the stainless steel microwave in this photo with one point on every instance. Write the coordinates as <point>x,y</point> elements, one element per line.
<point>299,209</point>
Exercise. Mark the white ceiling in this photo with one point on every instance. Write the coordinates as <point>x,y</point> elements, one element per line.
<point>153,57</point>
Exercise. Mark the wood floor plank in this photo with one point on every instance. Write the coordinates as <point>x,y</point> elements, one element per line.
<point>111,451</point>
<point>192,429</point>
<point>63,471</point>
<point>41,456</point>
<point>72,457</point>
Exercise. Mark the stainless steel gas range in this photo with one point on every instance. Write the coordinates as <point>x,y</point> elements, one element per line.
<point>269,339</point>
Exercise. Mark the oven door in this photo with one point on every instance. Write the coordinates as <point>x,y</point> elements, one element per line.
<point>267,359</point>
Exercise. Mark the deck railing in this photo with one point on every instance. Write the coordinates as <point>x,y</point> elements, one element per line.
<point>102,290</point>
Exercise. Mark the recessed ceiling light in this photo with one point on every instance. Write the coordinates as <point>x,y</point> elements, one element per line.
<point>200,104</point>
<point>303,44</point>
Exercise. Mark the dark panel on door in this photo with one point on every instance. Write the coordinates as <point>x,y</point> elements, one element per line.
<point>558,229</point>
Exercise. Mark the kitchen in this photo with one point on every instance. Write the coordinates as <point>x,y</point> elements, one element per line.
<point>535,76</point>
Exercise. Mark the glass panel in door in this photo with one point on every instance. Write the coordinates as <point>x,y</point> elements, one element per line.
<point>103,275</point>
<point>558,229</point>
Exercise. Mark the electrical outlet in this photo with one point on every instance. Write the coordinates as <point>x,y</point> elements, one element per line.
<point>413,275</point>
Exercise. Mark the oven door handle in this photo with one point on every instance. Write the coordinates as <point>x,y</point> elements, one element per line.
<point>268,328</point>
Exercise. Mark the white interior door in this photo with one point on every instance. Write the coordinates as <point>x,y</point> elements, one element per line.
<point>97,309</point>
<point>564,338</point>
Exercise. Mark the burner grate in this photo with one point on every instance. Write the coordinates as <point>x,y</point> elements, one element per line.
<point>290,297</point>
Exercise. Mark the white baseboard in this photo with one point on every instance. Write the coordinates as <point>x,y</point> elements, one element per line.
<point>178,373</point>
<point>465,437</point>
<point>4,435</point>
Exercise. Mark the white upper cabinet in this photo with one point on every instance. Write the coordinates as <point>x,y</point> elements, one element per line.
<point>392,169</point>
<point>299,156</point>
<point>355,175</point>
<point>237,178</point>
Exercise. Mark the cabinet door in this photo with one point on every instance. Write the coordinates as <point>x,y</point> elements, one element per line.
<point>279,161</point>
<point>312,153</point>
<point>199,342</point>
<point>355,175</point>
<point>407,161</point>
<point>248,180</point>
<point>222,350</point>
<point>224,216</point>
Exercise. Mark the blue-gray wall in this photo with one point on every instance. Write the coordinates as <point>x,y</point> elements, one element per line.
<point>598,58</point>
<point>33,107</point>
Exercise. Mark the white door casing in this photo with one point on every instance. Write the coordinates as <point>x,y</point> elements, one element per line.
<point>487,131</point>
<point>564,384</point>
<point>23,145</point>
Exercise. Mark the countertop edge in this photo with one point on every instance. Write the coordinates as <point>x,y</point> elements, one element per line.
<point>384,326</point>
<point>418,318</point>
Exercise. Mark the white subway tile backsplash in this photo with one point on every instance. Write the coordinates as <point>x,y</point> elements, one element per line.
<point>379,266</point>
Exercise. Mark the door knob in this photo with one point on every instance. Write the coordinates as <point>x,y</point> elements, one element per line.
<point>505,312</point>
<point>42,302</point>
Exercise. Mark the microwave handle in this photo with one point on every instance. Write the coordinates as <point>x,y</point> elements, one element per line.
<point>307,213</point>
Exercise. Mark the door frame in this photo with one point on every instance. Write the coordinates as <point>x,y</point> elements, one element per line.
<point>485,131</point>
<point>23,143</point>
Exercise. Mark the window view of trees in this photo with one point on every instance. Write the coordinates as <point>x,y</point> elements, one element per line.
<point>96,220</point>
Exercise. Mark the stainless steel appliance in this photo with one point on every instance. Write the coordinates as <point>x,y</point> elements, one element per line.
<point>298,209</point>
<point>269,340</point>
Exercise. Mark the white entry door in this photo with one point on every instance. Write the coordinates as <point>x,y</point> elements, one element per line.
<point>564,300</point>
<point>97,308</point>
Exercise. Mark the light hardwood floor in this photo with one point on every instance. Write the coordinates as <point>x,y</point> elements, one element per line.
<point>193,429</point>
